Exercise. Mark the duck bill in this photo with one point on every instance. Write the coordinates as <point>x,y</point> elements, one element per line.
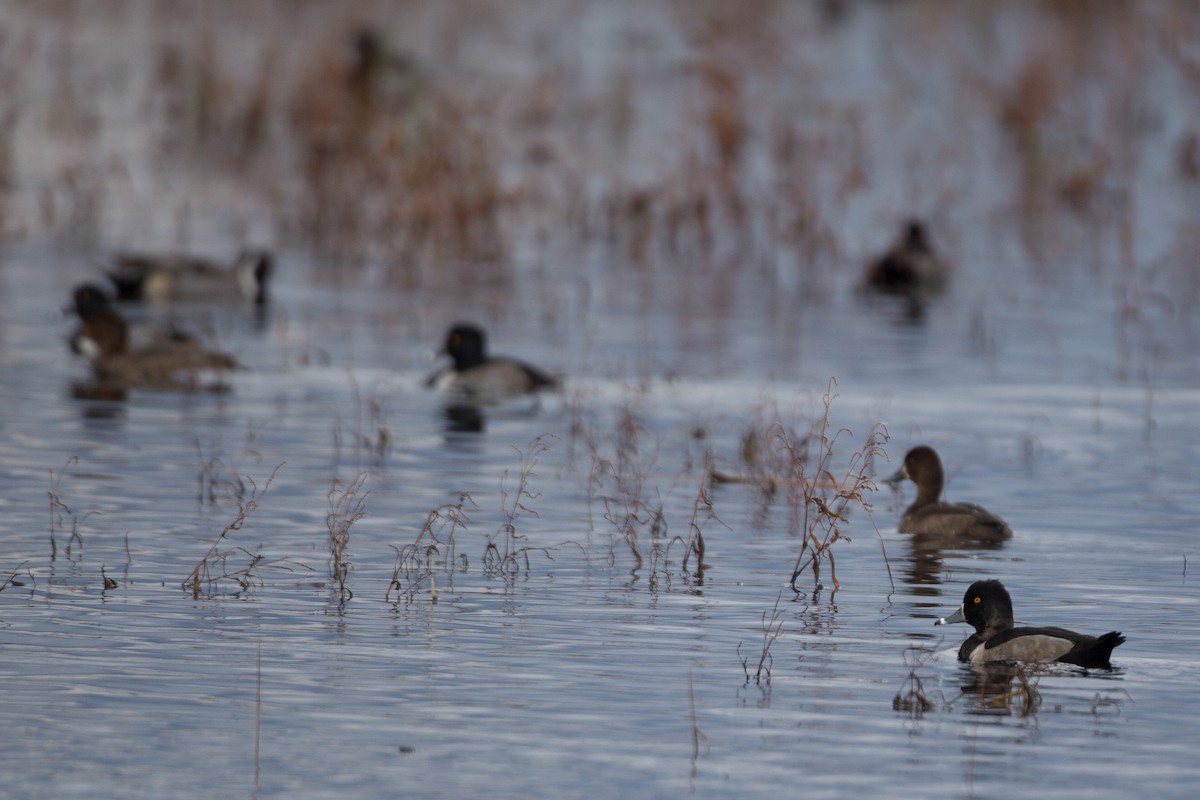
<point>896,478</point>
<point>957,616</point>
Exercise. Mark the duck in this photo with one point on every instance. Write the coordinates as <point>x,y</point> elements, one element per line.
<point>172,278</point>
<point>987,607</point>
<point>168,359</point>
<point>910,267</point>
<point>477,376</point>
<point>930,516</point>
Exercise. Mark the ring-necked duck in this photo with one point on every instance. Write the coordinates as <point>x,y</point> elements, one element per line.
<point>910,267</point>
<point>929,515</point>
<point>104,338</point>
<point>481,377</point>
<point>177,278</point>
<point>988,608</point>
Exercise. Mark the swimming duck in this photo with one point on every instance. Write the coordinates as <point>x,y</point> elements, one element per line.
<point>481,377</point>
<point>177,278</point>
<point>931,516</point>
<point>988,608</point>
<point>169,360</point>
<point>910,268</point>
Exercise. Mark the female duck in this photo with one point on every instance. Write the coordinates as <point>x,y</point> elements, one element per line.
<point>481,377</point>
<point>910,268</point>
<point>988,608</point>
<point>930,515</point>
<point>182,279</point>
<point>103,336</point>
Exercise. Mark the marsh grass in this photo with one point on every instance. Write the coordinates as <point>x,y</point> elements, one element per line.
<point>1100,701</point>
<point>819,499</point>
<point>506,553</point>
<point>623,474</point>
<point>509,555</point>
<point>912,698</point>
<point>216,480</point>
<point>702,512</point>
<point>771,628</point>
<point>434,549</point>
<point>347,505</point>
<point>60,512</point>
<point>215,568</point>
<point>371,438</point>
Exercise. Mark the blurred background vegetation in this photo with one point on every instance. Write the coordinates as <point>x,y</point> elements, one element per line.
<point>476,141</point>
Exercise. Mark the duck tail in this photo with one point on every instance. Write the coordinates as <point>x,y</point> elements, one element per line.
<point>1101,651</point>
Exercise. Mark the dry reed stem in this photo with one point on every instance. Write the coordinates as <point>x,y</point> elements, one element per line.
<point>701,507</point>
<point>911,698</point>
<point>247,578</point>
<point>434,546</point>
<point>346,506</point>
<point>57,507</point>
<point>510,556</point>
<point>819,500</point>
<point>771,630</point>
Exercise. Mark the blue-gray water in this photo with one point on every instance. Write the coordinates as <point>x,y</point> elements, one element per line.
<point>1062,398</point>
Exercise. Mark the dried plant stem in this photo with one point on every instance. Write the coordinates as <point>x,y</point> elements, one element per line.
<point>434,545</point>
<point>506,556</point>
<point>202,574</point>
<point>819,501</point>
<point>57,507</point>
<point>771,631</point>
<point>346,506</point>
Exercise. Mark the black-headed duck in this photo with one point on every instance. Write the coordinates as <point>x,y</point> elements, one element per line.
<point>910,268</point>
<point>987,607</point>
<point>929,515</point>
<point>169,360</point>
<point>483,378</point>
<point>182,279</point>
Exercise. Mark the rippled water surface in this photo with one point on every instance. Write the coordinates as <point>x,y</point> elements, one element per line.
<point>576,672</point>
<point>1066,405</point>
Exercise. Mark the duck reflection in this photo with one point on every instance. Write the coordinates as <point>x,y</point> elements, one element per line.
<point>1001,689</point>
<point>927,551</point>
<point>463,418</point>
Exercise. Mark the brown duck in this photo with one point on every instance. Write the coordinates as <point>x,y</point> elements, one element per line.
<point>170,360</point>
<point>910,268</point>
<point>929,515</point>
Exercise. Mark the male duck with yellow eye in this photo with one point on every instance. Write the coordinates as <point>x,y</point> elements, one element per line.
<point>162,362</point>
<point>988,608</point>
<point>931,516</point>
<point>483,378</point>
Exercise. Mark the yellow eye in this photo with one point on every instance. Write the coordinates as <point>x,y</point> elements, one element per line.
<point>977,600</point>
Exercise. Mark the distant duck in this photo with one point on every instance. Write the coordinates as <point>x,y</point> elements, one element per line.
<point>910,268</point>
<point>480,377</point>
<point>987,607</point>
<point>169,359</point>
<point>173,278</point>
<point>930,516</point>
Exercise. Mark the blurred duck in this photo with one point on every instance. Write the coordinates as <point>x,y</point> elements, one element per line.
<point>930,516</point>
<point>168,359</point>
<point>480,377</point>
<point>910,268</point>
<point>988,608</point>
<point>182,279</point>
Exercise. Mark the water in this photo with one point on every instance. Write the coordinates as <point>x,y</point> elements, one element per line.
<point>575,671</point>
